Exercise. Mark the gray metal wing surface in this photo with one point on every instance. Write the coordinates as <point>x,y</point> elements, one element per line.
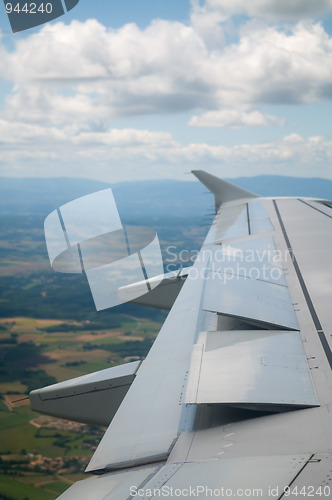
<point>235,396</point>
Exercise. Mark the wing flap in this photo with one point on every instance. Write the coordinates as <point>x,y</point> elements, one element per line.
<point>117,485</point>
<point>262,303</point>
<point>261,370</point>
<point>259,477</point>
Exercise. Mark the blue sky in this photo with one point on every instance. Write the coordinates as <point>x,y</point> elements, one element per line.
<point>146,89</point>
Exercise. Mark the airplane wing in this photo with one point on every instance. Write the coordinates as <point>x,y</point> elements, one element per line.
<point>235,396</point>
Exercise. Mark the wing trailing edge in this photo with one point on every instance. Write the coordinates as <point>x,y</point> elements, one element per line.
<point>223,191</point>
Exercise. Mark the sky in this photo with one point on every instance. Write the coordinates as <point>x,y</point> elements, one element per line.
<point>151,89</point>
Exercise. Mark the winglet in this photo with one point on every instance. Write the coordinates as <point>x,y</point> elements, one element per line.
<point>223,191</point>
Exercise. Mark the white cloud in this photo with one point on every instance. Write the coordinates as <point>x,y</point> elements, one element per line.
<point>283,152</point>
<point>274,9</point>
<point>70,81</point>
<point>84,75</point>
<point>125,138</point>
<point>117,155</point>
<point>209,24</point>
<point>234,118</point>
<point>85,72</point>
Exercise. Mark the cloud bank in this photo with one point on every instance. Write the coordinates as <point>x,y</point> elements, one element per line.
<point>86,74</point>
<point>273,9</point>
<point>70,82</point>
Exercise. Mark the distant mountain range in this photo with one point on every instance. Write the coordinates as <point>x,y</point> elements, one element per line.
<point>146,198</point>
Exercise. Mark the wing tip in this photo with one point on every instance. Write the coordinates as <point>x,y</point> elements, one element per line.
<point>223,191</point>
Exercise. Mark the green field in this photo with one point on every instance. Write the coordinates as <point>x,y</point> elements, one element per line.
<point>10,488</point>
<point>49,332</point>
<point>36,352</point>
